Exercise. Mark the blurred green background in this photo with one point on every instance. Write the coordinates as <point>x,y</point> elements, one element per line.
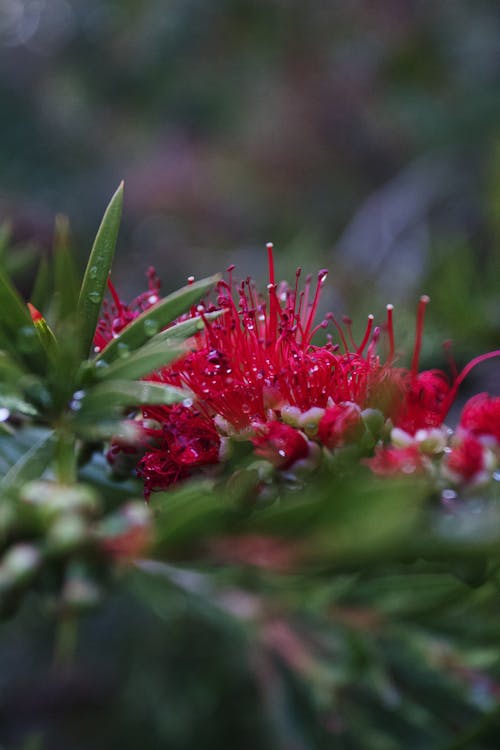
<point>364,136</point>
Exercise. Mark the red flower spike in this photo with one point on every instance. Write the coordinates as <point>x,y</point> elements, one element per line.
<point>280,444</point>
<point>255,367</point>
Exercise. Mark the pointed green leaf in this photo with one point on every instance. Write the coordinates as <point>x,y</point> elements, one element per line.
<point>15,313</point>
<point>10,372</point>
<point>98,267</point>
<point>107,398</point>
<point>142,362</point>
<point>30,465</point>
<point>186,328</point>
<point>17,332</point>
<point>66,282</point>
<point>157,317</point>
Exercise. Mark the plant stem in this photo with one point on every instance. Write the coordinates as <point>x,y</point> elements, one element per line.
<point>65,458</point>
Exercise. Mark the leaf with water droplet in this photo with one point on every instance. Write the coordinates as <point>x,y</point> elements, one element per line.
<point>151,327</point>
<point>101,257</point>
<point>110,398</point>
<point>123,350</point>
<point>163,313</point>
<point>144,361</point>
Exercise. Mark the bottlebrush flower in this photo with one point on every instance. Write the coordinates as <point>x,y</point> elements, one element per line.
<point>257,375</point>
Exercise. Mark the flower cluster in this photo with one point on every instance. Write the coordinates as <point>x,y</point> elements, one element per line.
<point>256,375</point>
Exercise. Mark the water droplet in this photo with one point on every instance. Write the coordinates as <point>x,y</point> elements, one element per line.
<point>94,297</point>
<point>123,350</point>
<point>78,395</point>
<point>97,349</point>
<point>93,271</point>
<point>448,497</point>
<point>4,414</point>
<point>151,327</point>
<point>188,402</point>
<point>282,453</point>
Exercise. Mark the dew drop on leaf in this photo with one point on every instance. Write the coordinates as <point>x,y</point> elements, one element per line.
<point>123,350</point>
<point>151,327</point>
<point>94,297</point>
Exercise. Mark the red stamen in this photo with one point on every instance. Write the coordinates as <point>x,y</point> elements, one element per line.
<point>330,316</point>
<point>312,313</point>
<point>390,331</point>
<point>463,374</point>
<point>424,301</point>
<point>274,306</point>
<point>366,337</point>
<point>116,299</point>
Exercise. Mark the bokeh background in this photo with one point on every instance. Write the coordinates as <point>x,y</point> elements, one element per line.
<point>363,136</point>
<point>358,135</point>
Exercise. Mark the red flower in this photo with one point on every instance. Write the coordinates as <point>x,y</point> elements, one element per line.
<point>118,315</point>
<point>389,461</point>
<point>425,402</point>
<point>340,424</point>
<point>183,440</point>
<point>467,460</point>
<point>481,415</point>
<point>256,364</point>
<point>281,444</point>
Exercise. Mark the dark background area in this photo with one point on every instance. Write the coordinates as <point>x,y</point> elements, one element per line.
<point>358,135</point>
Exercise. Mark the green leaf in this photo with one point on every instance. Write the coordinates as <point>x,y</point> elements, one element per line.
<point>144,361</point>
<point>10,372</point>
<point>14,403</point>
<point>157,317</point>
<point>30,465</point>
<point>17,332</point>
<point>108,397</point>
<point>66,282</point>
<point>186,328</point>
<point>15,313</point>
<point>98,267</point>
